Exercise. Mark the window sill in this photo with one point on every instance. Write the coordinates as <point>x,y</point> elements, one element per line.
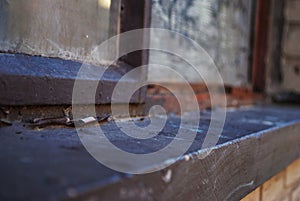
<point>34,80</point>
<point>51,164</point>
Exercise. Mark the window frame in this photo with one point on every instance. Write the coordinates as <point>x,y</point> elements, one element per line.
<point>127,14</point>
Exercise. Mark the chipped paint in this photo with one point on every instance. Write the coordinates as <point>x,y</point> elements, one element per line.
<point>167,177</point>
<point>249,184</point>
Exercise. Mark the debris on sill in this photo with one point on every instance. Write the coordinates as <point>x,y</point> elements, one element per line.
<point>40,122</point>
<point>5,122</point>
<point>167,177</point>
<point>67,120</point>
<point>5,110</point>
<point>91,120</point>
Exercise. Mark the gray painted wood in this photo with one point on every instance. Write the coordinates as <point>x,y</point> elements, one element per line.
<point>32,80</point>
<point>52,164</point>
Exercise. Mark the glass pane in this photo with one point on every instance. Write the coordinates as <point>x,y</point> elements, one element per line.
<point>221,27</point>
<point>68,29</point>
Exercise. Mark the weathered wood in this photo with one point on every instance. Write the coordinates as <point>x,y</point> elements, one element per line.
<point>48,90</point>
<point>31,80</point>
<point>273,68</point>
<point>136,15</point>
<point>52,164</point>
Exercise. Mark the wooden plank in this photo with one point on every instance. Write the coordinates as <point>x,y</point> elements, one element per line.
<point>31,80</point>
<point>230,172</point>
<point>273,73</point>
<point>256,143</point>
<point>136,15</point>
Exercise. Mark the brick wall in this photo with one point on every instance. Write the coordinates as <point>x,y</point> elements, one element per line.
<point>285,186</point>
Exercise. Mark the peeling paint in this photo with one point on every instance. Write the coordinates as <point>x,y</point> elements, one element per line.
<point>167,177</point>
<point>238,188</point>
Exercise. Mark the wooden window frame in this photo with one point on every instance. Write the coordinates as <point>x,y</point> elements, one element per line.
<point>22,85</point>
<point>133,15</point>
<point>267,45</point>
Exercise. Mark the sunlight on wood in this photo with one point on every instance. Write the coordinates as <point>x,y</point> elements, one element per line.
<point>104,3</point>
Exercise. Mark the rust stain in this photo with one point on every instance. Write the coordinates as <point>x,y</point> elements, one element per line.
<point>260,45</point>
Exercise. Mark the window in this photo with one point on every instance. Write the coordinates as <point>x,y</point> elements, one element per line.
<point>44,43</point>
